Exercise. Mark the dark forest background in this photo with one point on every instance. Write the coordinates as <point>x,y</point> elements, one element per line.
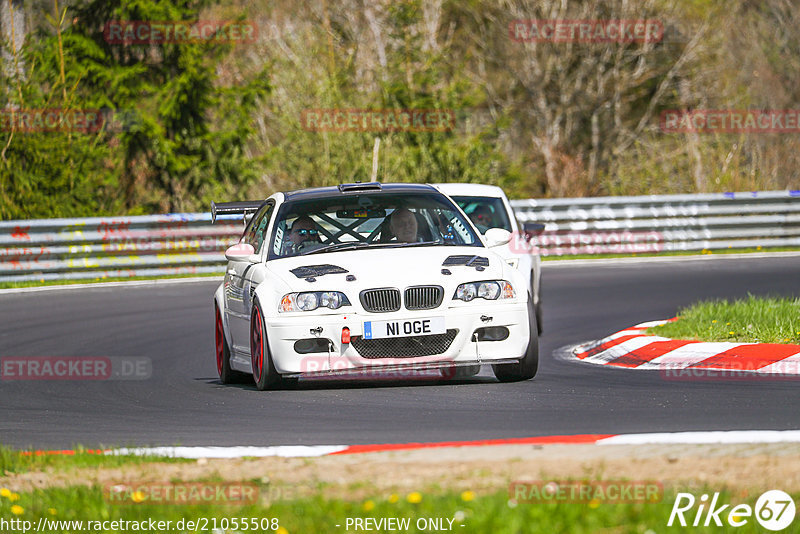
<point>221,121</point>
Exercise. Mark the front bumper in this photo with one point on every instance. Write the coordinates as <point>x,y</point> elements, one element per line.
<point>330,355</point>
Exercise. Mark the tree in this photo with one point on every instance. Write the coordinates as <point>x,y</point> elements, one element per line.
<point>184,134</point>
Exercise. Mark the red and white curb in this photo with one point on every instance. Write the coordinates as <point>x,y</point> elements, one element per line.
<point>634,349</point>
<point>307,451</point>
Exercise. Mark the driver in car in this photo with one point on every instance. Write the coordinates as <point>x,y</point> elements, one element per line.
<point>482,217</point>
<point>403,224</point>
<point>304,230</point>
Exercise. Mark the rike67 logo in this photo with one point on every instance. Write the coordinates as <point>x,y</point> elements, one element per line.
<point>774,510</point>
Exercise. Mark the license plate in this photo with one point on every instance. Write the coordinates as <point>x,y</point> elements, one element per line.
<point>403,328</point>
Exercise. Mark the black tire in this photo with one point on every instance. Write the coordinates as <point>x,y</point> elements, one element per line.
<point>223,353</point>
<point>538,307</point>
<point>265,375</point>
<point>529,364</point>
<point>539,317</point>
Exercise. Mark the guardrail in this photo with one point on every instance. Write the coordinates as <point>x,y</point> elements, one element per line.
<point>101,247</point>
<point>664,223</point>
<point>161,245</point>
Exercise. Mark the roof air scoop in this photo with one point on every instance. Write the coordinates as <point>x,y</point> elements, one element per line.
<point>366,186</point>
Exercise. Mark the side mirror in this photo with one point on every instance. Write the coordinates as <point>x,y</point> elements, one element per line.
<point>496,237</point>
<point>531,230</point>
<point>240,252</point>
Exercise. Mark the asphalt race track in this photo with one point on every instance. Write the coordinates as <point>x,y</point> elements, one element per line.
<point>184,403</point>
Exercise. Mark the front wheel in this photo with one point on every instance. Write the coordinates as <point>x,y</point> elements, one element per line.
<point>529,364</point>
<point>265,375</point>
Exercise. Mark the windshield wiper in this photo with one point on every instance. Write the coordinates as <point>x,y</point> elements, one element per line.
<point>337,246</point>
<point>417,244</point>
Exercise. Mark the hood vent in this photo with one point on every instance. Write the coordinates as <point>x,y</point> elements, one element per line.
<point>317,270</point>
<point>467,261</point>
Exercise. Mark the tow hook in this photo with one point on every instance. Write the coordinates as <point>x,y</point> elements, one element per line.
<point>486,318</point>
<point>316,331</point>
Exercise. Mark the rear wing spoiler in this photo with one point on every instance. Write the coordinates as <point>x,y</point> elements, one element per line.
<point>244,208</point>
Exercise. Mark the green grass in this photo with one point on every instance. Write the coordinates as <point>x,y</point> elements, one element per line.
<point>16,461</point>
<point>750,320</point>
<point>492,513</point>
<point>42,283</point>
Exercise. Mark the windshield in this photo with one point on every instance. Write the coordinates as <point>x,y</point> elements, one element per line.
<point>484,212</point>
<point>368,220</point>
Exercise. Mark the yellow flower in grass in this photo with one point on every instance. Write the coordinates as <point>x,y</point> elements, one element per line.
<point>137,496</point>
<point>17,510</point>
<point>731,333</point>
<point>393,498</point>
<point>414,497</point>
<point>52,511</point>
<point>594,503</point>
<point>14,497</point>
<point>368,506</point>
<point>5,492</point>
<point>714,321</point>
<point>281,530</point>
<point>467,496</point>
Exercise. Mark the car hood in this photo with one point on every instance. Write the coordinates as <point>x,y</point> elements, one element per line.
<point>396,267</point>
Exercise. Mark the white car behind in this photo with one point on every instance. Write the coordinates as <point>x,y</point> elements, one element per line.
<point>489,201</point>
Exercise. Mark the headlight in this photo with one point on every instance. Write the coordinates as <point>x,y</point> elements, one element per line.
<point>311,300</point>
<point>466,292</point>
<point>307,301</point>
<point>331,299</point>
<point>490,290</point>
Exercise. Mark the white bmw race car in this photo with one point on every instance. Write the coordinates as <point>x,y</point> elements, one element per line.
<point>488,207</point>
<point>336,280</point>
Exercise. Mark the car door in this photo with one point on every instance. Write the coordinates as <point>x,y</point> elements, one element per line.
<point>238,294</point>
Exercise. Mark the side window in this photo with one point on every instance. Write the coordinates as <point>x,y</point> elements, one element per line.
<point>257,231</point>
